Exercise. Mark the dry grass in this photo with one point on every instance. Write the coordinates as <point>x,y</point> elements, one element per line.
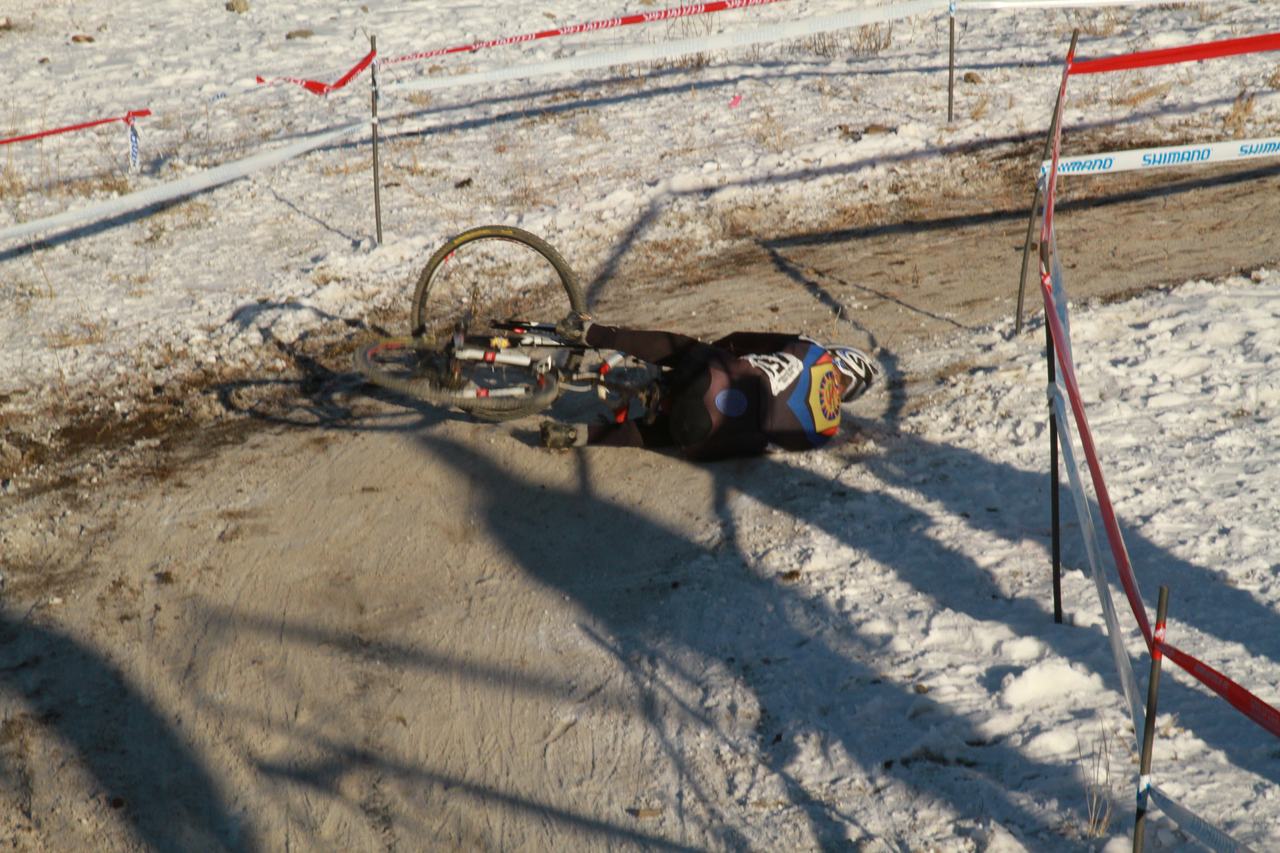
<point>21,294</point>
<point>868,40</point>
<point>769,133</point>
<point>1098,24</point>
<point>325,276</point>
<point>11,183</point>
<point>1206,13</point>
<point>517,171</point>
<point>589,125</point>
<point>184,216</point>
<point>402,161</point>
<point>872,39</point>
<point>1274,80</point>
<point>980,108</point>
<point>1237,119</point>
<point>134,283</point>
<point>826,45</point>
<point>85,333</point>
<point>744,221</point>
<point>138,285</point>
<point>1141,95</point>
<point>350,166</point>
<point>1099,788</point>
<point>95,185</point>
<point>525,193</point>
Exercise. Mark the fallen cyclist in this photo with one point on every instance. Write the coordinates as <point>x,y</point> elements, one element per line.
<point>737,396</point>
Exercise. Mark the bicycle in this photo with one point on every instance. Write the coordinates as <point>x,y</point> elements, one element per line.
<point>457,356</point>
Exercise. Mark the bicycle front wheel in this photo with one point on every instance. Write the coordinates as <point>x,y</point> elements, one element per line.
<point>415,368</point>
<point>496,272</point>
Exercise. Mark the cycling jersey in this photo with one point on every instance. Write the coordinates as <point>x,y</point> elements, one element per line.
<point>735,396</point>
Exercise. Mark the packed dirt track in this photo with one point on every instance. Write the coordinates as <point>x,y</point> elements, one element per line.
<point>341,620</point>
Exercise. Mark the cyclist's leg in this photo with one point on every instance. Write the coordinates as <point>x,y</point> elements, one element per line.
<point>706,429</point>
<point>662,348</point>
<point>631,433</point>
<point>690,420</point>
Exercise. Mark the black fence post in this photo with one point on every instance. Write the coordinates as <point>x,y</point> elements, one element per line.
<point>1149,726</point>
<point>1055,485</point>
<point>377,189</point>
<point>951,66</point>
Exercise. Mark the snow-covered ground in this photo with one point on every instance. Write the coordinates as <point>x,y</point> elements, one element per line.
<point>670,163</point>
<point>684,158</point>
<point>950,587</point>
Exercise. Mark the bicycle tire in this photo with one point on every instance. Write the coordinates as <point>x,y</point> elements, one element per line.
<point>422,385</point>
<point>420,316</point>
<point>548,264</point>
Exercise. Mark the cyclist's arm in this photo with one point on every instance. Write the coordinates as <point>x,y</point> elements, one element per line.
<point>752,343</point>
<point>654,347</point>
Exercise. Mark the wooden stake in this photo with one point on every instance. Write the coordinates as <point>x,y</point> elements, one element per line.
<point>1149,726</point>
<point>1035,198</point>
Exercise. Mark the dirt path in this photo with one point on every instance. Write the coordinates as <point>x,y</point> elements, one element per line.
<point>403,629</point>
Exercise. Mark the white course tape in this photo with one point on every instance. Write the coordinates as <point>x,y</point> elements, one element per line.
<point>1084,512</point>
<point>992,5</point>
<point>682,47</point>
<point>1196,826</point>
<point>1124,668</point>
<point>1187,820</point>
<point>177,189</point>
<point>1162,158</point>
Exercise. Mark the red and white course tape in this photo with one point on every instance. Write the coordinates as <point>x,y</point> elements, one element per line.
<point>672,13</point>
<point>639,54</point>
<point>127,118</point>
<point>668,14</point>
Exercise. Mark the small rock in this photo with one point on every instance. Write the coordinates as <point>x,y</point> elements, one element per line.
<point>81,38</point>
<point>6,23</point>
<point>462,184</point>
<point>879,129</point>
<point>298,34</point>
<point>971,77</point>
<point>238,6</point>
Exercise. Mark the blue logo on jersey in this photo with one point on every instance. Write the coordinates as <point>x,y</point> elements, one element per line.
<point>818,368</point>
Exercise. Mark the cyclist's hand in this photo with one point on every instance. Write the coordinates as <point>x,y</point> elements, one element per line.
<point>572,327</point>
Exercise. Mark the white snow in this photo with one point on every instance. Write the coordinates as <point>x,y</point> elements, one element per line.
<point>934,545</point>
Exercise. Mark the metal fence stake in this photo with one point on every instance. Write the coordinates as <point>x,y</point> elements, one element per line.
<point>951,67</point>
<point>377,189</point>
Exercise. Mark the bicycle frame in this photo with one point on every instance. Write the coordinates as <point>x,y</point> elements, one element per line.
<point>509,351</point>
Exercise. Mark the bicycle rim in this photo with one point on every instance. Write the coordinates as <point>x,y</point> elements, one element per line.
<point>492,272</point>
<point>414,368</point>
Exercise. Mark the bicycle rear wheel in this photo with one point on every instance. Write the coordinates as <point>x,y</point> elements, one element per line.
<point>415,368</point>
